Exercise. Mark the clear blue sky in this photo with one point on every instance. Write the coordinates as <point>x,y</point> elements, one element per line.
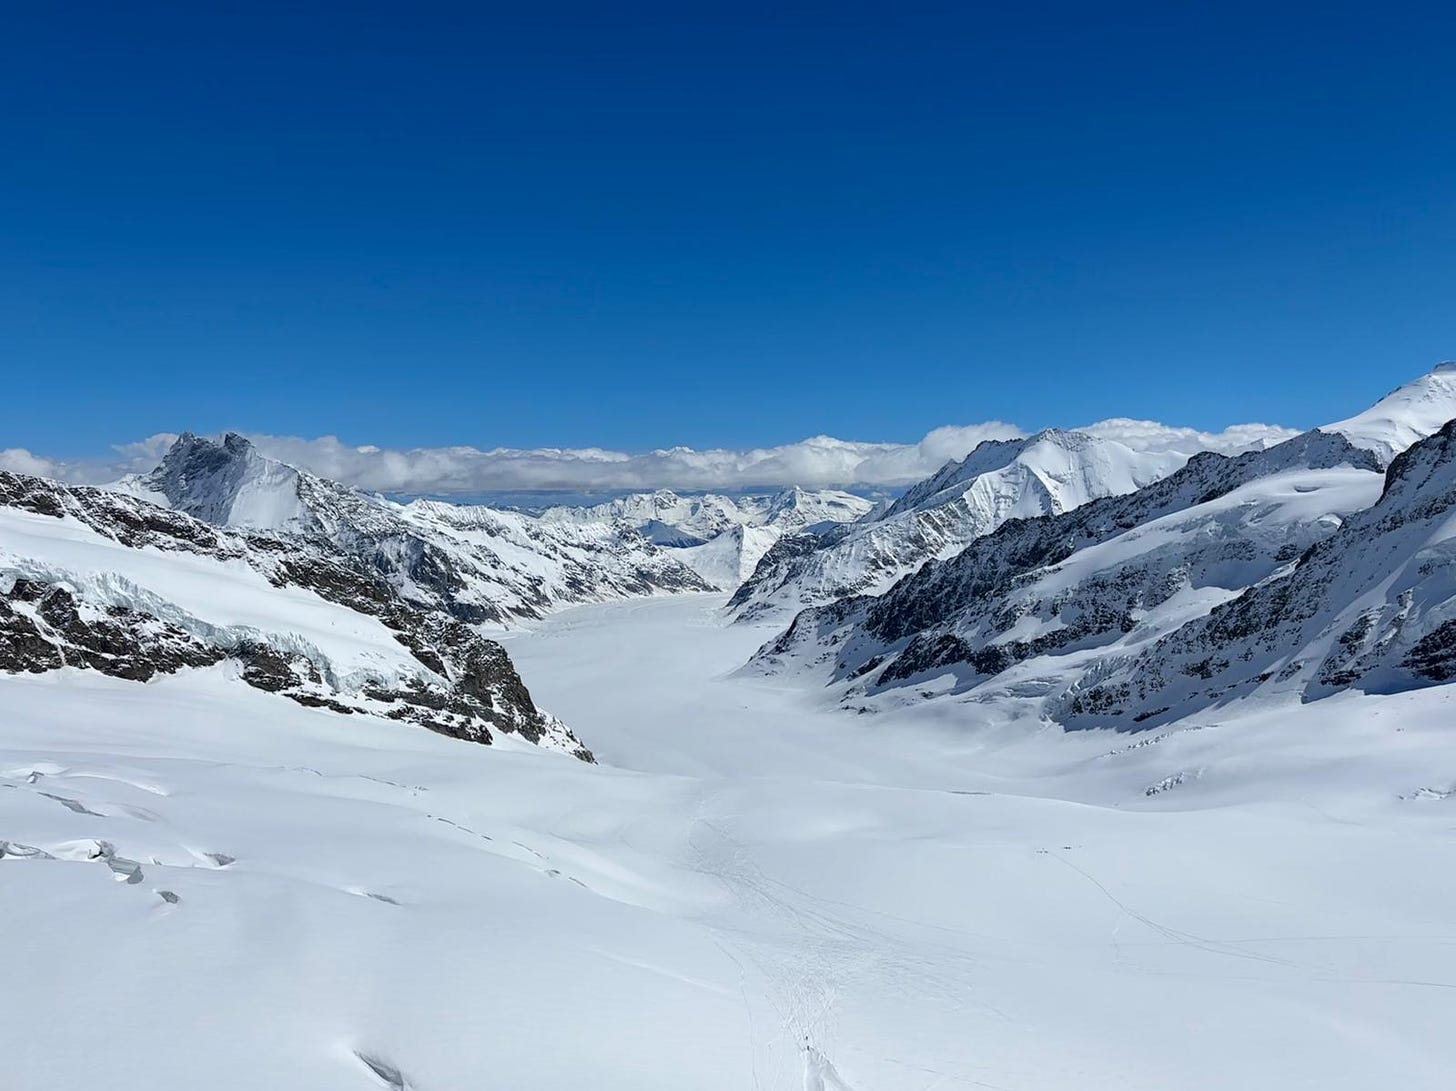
<point>632,226</point>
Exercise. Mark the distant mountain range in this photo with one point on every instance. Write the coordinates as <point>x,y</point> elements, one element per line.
<point>722,537</point>
<point>476,563</point>
<point>1123,578</point>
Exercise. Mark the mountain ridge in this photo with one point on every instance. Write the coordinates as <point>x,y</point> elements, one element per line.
<point>98,580</point>
<point>478,564</point>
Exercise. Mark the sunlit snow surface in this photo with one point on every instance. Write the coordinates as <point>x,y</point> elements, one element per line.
<point>206,886</point>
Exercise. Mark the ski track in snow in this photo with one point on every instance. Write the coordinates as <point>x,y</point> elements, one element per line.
<point>752,891</point>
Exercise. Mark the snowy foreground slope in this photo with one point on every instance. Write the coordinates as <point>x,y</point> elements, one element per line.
<point>205,886</point>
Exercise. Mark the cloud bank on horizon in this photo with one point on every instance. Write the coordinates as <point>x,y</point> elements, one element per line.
<point>818,462</point>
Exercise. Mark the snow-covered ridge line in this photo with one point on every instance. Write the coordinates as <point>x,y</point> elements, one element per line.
<point>1405,415</point>
<point>1046,474</point>
<point>477,564</point>
<point>703,517</point>
<point>722,538</point>
<point>1294,573</point>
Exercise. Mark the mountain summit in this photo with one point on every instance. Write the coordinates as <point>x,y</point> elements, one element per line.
<point>1404,416</point>
<point>228,484</point>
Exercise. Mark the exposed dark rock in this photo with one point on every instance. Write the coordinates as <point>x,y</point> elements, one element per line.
<point>1433,657</point>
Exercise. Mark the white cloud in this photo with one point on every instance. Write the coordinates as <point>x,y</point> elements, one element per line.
<point>816,462</point>
<point>128,458</point>
<point>20,461</point>
<point>1147,435</point>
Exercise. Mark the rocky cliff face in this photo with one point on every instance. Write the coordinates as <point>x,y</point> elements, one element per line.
<point>95,580</point>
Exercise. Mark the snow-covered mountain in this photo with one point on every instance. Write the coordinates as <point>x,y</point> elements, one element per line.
<point>1405,415</point>
<point>1044,474</point>
<point>1113,570</point>
<point>228,891</point>
<point>1372,606</point>
<point>1299,570</point>
<point>730,557</point>
<point>722,538</point>
<point>693,520</point>
<point>100,581</point>
<point>478,564</point>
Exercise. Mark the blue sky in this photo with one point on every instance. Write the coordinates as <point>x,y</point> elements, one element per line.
<point>636,227</point>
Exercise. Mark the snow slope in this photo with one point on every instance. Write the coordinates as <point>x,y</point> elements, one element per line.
<point>730,558</point>
<point>216,889</point>
<point>1405,415</point>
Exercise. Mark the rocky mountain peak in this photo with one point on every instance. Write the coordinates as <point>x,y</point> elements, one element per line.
<point>228,483</point>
